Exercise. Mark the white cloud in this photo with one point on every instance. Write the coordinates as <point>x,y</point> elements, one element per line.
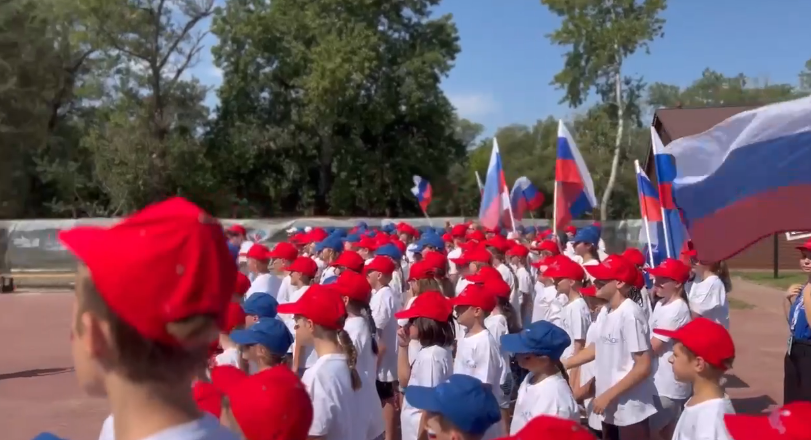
<point>472,105</point>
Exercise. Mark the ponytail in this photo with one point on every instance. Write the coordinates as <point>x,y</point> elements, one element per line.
<point>562,369</point>
<point>366,312</point>
<point>351,357</point>
<point>447,288</point>
<point>635,295</point>
<point>721,270</point>
<point>509,314</point>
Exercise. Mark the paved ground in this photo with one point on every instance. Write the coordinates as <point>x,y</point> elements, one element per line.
<point>38,391</point>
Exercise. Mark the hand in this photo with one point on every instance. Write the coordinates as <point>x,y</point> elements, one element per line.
<point>793,291</point>
<point>600,403</point>
<point>402,336</point>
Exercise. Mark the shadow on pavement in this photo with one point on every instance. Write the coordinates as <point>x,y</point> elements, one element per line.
<point>35,373</point>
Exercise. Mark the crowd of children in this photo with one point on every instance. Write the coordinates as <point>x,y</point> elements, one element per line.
<point>463,333</point>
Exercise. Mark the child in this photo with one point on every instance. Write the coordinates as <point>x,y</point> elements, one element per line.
<point>264,344</point>
<point>302,272</point>
<point>472,259</point>
<point>703,351</point>
<point>670,313</point>
<point>790,421</point>
<point>548,304</point>
<point>281,256</point>
<point>270,405</point>
<point>258,265</point>
<point>327,251</point>
<point>333,381</point>
<point>545,390</point>
<point>356,294</point>
<point>259,305</point>
<point>567,277</point>
<point>553,428</point>
<point>623,387</point>
<point>584,391</point>
<point>144,320</point>
<point>420,279</point>
<point>477,354</point>
<point>235,318</point>
<point>636,257</point>
<point>708,293</point>
<point>518,261</point>
<point>348,260</point>
<point>428,321</point>
<point>586,243</point>
<point>384,306</point>
<point>461,408</point>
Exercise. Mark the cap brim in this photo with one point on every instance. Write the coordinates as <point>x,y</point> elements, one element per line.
<point>84,242</point>
<point>749,427</point>
<point>600,272</point>
<point>666,333</point>
<point>423,398</point>
<point>514,344</point>
<point>406,314</point>
<point>243,337</point>
<point>289,309</point>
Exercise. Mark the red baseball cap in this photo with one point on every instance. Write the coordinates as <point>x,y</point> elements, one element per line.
<point>484,273</point>
<point>284,251</point>
<point>476,235</point>
<point>549,427</point>
<point>316,235</point>
<point>430,304</point>
<point>234,317</point>
<point>706,339</point>
<point>564,268</point>
<point>589,290</point>
<point>320,304</point>
<point>405,228</point>
<point>176,265</point>
<point>518,250</point>
<point>353,285</point>
<point>614,268</point>
<point>500,243</point>
<point>548,246</point>
<point>475,295</point>
<point>435,260</point>
<point>237,229</point>
<point>805,246</point>
<point>303,265</point>
<point>208,397</point>
<point>399,245</point>
<point>350,260</point>
<point>380,264</point>
<point>421,270</point>
<point>671,268</point>
<point>635,256</point>
<point>459,231</point>
<point>791,421</point>
<point>497,286</point>
<point>269,405</point>
<point>258,252</point>
<point>477,255</point>
<point>367,243</point>
<point>570,229</point>
<point>242,284</point>
<point>447,238</point>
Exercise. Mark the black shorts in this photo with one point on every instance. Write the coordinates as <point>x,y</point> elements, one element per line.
<point>385,389</point>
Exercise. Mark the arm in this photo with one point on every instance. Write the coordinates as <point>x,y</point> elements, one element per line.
<point>657,346</point>
<point>297,349</point>
<point>583,356</point>
<point>583,392</point>
<point>403,365</point>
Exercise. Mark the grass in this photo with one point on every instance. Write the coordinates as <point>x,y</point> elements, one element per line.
<point>736,304</point>
<point>766,278</point>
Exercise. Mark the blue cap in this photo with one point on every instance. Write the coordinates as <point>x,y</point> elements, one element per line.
<point>362,225</point>
<point>541,338</point>
<point>530,229</point>
<point>46,436</point>
<point>462,400</point>
<point>270,333</point>
<point>339,233</point>
<point>330,280</point>
<point>260,304</point>
<point>589,234</point>
<point>388,228</point>
<point>352,238</point>
<point>389,250</point>
<point>329,229</point>
<point>330,242</point>
<point>429,239</point>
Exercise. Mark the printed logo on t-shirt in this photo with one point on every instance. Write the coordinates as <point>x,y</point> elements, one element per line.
<point>610,339</point>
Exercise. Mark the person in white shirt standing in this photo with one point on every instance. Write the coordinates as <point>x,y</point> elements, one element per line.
<point>708,292</point>
<point>636,257</point>
<point>281,256</point>
<point>548,304</point>
<point>302,271</point>
<point>458,234</point>
<point>517,256</point>
<point>258,266</point>
<point>327,251</point>
<point>384,306</point>
<point>670,313</point>
<point>703,351</point>
<point>623,384</point>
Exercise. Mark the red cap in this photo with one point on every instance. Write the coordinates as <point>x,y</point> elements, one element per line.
<point>477,255</point>
<point>435,260</point>
<point>400,245</point>
<point>548,427</point>
<point>237,230</point>
<point>570,229</point>
<point>635,256</point>
<point>639,283</point>
<point>176,265</point>
<point>475,295</point>
<point>243,284</point>
<point>564,268</point>
<point>706,339</point>
<point>431,305</point>
<point>518,250</point>
<point>234,317</point>
<point>548,246</point>
<point>316,235</point>
<point>405,228</point>
<point>545,233</point>
<point>298,238</point>
<point>459,231</point>
<point>270,405</point>
<point>476,235</point>
<point>303,265</point>
<point>791,421</point>
<point>447,238</point>
<point>350,260</point>
<point>421,270</point>
<point>500,243</point>
<point>485,273</point>
<point>367,243</point>
<point>671,268</point>
<point>588,291</point>
<point>284,251</point>
<point>353,285</point>
<point>803,247</point>
<point>380,264</point>
<point>208,397</point>
<point>614,268</point>
<point>258,252</point>
<point>497,286</point>
<point>320,304</point>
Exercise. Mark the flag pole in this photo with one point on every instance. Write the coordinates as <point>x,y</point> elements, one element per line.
<point>644,213</point>
<point>425,213</point>
<point>512,216</point>
<point>654,141</point>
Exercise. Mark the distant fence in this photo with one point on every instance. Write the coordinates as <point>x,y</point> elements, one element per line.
<point>32,245</point>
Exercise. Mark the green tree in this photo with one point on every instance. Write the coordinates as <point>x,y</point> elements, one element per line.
<point>601,35</point>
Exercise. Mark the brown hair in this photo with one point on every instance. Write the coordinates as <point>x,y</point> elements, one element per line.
<point>362,309</point>
<point>721,270</point>
<point>341,337</point>
<point>727,362</point>
<point>141,359</point>
<point>447,287</point>
<point>431,332</point>
<point>268,359</point>
<point>513,326</point>
<point>426,285</point>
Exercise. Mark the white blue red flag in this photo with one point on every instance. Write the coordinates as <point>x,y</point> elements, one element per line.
<point>744,179</point>
<point>574,189</point>
<point>676,237</point>
<point>422,191</point>
<point>524,197</point>
<point>495,208</point>
<point>653,232</point>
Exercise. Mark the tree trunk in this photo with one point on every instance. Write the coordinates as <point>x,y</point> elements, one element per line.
<point>615,162</point>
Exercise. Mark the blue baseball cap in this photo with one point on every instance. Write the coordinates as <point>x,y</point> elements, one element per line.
<point>541,338</point>
<point>429,239</point>
<point>352,238</point>
<point>46,436</point>
<point>462,400</point>
<point>260,304</point>
<point>330,242</point>
<point>389,250</point>
<point>270,333</point>
<point>388,228</point>
<point>362,225</point>
<point>589,234</point>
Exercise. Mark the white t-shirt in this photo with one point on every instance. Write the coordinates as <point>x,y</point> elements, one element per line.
<point>229,356</point>
<point>525,293</point>
<point>204,428</point>
<point>704,421</point>
<point>576,320</point>
<point>515,296</point>
<point>328,271</point>
<point>586,374</point>
<point>456,253</point>
<point>335,403</point>
<point>478,356</point>
<point>647,307</point>
<point>708,298</point>
<point>461,283</point>
<point>622,332</point>
<point>383,309</point>
<point>551,397</point>
<point>285,289</point>
<point>358,330</point>
<point>307,353</point>
<point>396,286</point>
<point>669,317</point>
<point>267,283</point>
<point>243,250</point>
<point>548,304</point>
<point>497,326</point>
<point>432,366</point>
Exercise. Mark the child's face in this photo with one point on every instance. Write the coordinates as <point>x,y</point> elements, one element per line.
<point>466,315</point>
<point>665,287</point>
<point>436,430</point>
<point>277,264</point>
<point>251,320</point>
<point>563,285</point>
<point>304,330</point>
<point>295,277</point>
<point>364,253</point>
<point>684,365</point>
<point>605,290</point>
<point>581,248</point>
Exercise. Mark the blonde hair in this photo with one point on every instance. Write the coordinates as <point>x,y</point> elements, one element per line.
<point>341,337</point>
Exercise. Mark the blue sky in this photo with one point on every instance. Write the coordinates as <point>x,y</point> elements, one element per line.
<point>502,74</point>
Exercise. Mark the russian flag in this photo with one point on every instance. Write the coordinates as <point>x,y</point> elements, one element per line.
<point>524,197</point>
<point>746,178</point>
<point>422,191</point>
<point>676,236</point>
<point>495,207</point>
<point>574,190</point>
<point>651,211</point>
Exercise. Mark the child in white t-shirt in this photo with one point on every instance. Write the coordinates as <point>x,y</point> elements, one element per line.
<point>708,292</point>
<point>258,265</point>
<point>545,390</point>
<point>703,351</point>
<point>584,391</point>
<point>302,272</point>
<point>548,304</point>
<point>518,260</point>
